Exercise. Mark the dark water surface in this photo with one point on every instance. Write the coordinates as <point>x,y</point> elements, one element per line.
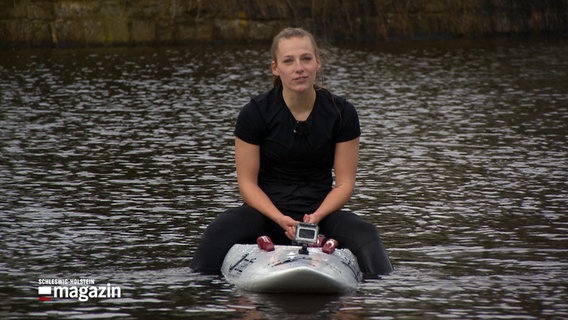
<point>113,161</point>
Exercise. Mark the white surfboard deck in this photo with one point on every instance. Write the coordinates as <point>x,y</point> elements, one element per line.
<point>285,270</point>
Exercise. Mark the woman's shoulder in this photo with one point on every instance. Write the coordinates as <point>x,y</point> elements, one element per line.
<point>266,97</point>
<point>333,100</point>
<point>266,105</point>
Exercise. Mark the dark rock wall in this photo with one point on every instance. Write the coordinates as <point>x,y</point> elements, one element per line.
<point>32,23</point>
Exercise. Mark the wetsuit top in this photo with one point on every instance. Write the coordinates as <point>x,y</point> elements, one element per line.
<point>296,157</point>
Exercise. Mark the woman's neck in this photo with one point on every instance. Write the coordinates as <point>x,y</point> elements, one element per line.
<point>300,103</point>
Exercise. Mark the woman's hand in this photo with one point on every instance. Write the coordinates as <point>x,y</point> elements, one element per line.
<point>311,218</point>
<point>289,226</point>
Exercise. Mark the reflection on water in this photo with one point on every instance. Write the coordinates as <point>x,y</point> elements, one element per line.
<point>114,160</point>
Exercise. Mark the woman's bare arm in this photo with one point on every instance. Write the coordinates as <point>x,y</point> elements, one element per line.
<point>345,167</point>
<point>247,158</point>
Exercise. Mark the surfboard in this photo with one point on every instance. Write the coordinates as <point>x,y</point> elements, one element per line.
<point>286,270</point>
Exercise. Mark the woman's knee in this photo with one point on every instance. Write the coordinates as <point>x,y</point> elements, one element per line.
<point>235,223</point>
<point>367,229</point>
<point>349,222</point>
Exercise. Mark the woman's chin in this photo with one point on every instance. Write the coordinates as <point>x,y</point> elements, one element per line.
<point>301,87</point>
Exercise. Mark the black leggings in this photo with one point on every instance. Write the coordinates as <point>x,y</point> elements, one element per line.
<point>244,224</point>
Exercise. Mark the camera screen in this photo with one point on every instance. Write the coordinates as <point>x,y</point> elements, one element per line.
<point>307,233</point>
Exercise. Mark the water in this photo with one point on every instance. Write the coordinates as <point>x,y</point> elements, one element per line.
<point>114,160</point>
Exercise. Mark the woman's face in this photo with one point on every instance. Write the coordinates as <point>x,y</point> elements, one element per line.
<point>296,63</point>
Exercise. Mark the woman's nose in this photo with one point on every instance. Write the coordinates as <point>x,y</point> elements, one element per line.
<point>299,67</point>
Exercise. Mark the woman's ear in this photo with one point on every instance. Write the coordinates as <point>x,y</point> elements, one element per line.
<point>274,68</point>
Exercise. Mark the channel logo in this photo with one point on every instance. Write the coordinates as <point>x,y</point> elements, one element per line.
<point>44,293</point>
<point>81,293</point>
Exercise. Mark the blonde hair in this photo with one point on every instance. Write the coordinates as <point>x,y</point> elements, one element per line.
<point>288,33</point>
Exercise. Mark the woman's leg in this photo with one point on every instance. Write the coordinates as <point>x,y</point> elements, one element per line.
<point>237,225</point>
<point>362,238</point>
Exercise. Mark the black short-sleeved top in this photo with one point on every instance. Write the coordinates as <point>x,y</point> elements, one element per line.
<point>296,158</point>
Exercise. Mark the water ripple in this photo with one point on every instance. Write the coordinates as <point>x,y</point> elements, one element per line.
<point>113,160</point>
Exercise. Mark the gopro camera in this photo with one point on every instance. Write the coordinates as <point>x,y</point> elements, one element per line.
<point>306,233</point>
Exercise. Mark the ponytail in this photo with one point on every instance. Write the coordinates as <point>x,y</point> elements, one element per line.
<point>276,82</point>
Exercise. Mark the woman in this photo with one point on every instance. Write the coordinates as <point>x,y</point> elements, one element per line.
<point>287,142</point>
